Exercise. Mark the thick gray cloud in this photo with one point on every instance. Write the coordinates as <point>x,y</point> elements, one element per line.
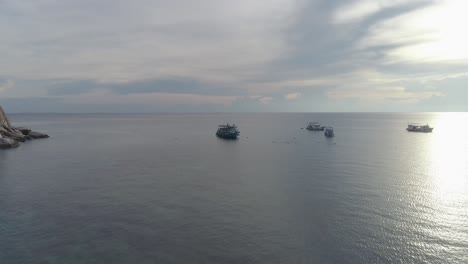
<point>212,55</point>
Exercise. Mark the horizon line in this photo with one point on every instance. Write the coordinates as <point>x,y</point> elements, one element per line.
<point>262,112</point>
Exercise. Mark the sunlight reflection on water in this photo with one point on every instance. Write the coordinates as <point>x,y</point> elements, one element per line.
<point>448,157</point>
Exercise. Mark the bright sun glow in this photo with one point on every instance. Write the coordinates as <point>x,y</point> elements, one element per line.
<point>433,33</point>
<point>447,22</point>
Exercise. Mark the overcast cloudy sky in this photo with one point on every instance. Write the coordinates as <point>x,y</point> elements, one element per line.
<point>243,55</point>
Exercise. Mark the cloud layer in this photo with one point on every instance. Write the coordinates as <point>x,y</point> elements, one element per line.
<point>216,55</point>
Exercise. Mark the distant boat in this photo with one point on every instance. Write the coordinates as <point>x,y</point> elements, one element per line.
<point>413,127</point>
<point>227,131</point>
<point>329,132</point>
<point>315,126</point>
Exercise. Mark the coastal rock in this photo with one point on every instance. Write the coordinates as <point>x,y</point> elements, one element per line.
<point>4,122</point>
<point>11,136</point>
<point>15,134</point>
<point>24,130</point>
<point>36,135</point>
<point>8,143</point>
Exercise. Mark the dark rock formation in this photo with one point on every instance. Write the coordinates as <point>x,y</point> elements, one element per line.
<point>10,136</point>
<point>36,135</point>
<point>24,130</point>
<point>8,143</point>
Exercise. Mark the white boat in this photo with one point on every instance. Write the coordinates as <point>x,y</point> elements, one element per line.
<point>413,127</point>
<point>329,132</point>
<point>315,126</point>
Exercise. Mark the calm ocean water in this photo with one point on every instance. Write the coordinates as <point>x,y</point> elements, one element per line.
<point>163,189</point>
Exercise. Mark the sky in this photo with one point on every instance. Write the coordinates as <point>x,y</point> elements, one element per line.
<point>233,56</point>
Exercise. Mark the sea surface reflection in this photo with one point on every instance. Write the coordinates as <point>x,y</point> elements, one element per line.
<point>164,189</point>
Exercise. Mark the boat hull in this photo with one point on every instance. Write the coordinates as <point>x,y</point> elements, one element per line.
<point>315,128</point>
<point>427,130</point>
<point>227,136</point>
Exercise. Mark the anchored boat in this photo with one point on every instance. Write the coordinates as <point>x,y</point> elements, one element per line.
<point>315,126</point>
<point>413,127</point>
<point>227,131</point>
<point>329,132</point>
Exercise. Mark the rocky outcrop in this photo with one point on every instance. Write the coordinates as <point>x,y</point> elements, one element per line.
<point>4,122</point>
<point>8,143</point>
<point>11,136</point>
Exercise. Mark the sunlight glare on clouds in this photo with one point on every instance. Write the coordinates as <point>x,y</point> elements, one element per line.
<point>434,33</point>
<point>363,8</point>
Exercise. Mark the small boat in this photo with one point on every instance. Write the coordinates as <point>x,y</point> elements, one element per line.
<point>227,131</point>
<point>315,126</point>
<point>329,132</point>
<point>413,127</point>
